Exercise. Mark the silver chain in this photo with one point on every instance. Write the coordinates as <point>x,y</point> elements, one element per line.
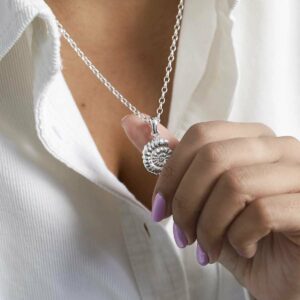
<point>112,89</point>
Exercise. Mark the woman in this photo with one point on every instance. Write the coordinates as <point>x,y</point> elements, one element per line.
<point>81,218</point>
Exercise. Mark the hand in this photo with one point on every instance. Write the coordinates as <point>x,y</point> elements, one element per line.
<point>235,187</point>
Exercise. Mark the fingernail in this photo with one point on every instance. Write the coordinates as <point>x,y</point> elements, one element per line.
<point>179,236</point>
<point>123,119</point>
<point>202,257</point>
<point>159,208</point>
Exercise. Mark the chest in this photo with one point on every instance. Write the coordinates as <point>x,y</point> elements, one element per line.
<point>118,153</point>
<point>102,113</point>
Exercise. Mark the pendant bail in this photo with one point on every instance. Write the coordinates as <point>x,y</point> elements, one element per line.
<point>154,123</point>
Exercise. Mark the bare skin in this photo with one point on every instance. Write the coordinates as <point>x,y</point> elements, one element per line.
<point>129,42</point>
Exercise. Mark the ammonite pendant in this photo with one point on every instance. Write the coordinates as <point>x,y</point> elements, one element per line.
<point>156,152</point>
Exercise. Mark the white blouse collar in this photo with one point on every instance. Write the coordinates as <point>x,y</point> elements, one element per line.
<point>199,30</point>
<point>199,80</point>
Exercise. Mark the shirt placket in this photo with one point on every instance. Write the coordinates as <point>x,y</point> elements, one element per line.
<point>156,266</point>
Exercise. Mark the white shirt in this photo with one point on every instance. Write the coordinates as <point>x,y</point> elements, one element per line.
<point>69,229</point>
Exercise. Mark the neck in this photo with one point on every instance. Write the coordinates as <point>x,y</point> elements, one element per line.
<point>118,24</point>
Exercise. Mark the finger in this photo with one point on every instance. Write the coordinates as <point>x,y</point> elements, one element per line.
<point>139,132</point>
<point>236,189</point>
<point>215,158</point>
<point>197,136</point>
<point>279,213</point>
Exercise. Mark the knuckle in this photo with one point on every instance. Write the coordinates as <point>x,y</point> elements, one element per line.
<point>199,130</point>
<point>291,140</point>
<point>240,200</point>
<point>248,251</point>
<point>241,244</point>
<point>236,180</point>
<point>204,130</point>
<point>235,240</point>
<point>266,130</point>
<point>258,145</point>
<point>263,213</point>
<point>214,152</point>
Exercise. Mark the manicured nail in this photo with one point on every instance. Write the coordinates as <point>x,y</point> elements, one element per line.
<point>124,118</point>
<point>179,236</point>
<point>202,257</point>
<point>159,208</point>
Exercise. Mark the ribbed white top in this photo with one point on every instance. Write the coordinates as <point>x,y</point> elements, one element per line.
<point>68,228</point>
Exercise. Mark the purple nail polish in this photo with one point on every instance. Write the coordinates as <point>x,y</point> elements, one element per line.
<point>158,208</point>
<point>202,257</point>
<point>179,236</point>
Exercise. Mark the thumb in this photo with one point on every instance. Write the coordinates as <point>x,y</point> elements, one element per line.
<point>139,132</point>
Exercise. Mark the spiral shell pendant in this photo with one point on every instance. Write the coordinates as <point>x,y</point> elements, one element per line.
<point>156,152</point>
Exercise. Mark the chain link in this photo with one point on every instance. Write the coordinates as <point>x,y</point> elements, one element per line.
<point>112,89</point>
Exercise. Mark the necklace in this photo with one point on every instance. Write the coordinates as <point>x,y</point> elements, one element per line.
<point>157,151</point>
